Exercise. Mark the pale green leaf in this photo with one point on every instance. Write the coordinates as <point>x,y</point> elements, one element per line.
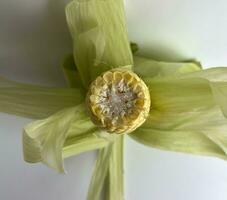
<point>71,73</point>
<point>219,90</point>
<point>217,78</point>
<point>179,95</point>
<point>212,74</point>
<point>196,132</point>
<point>84,142</point>
<point>99,173</point>
<point>99,36</point>
<point>108,171</point>
<point>185,115</point>
<point>115,177</point>
<point>44,140</point>
<point>149,68</point>
<point>35,101</point>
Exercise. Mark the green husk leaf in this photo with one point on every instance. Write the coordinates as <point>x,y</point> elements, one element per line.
<point>148,68</point>
<point>219,90</point>
<point>84,142</point>
<point>217,78</point>
<point>99,173</point>
<point>215,74</point>
<point>99,36</point>
<point>71,73</point>
<point>35,101</point>
<point>179,95</point>
<point>186,115</point>
<point>115,177</point>
<point>43,140</point>
<point>201,133</point>
<point>108,172</point>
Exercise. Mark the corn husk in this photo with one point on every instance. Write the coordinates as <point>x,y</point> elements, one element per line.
<point>68,130</point>
<point>71,73</point>
<point>99,173</point>
<point>108,172</point>
<point>217,78</point>
<point>99,36</point>
<point>149,68</point>
<point>34,101</point>
<point>115,177</point>
<point>188,113</point>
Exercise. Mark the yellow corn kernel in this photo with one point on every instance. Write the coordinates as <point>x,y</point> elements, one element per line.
<point>118,101</point>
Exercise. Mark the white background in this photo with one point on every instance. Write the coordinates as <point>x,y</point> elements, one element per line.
<point>34,39</point>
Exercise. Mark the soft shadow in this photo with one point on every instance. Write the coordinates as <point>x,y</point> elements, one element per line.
<point>162,52</point>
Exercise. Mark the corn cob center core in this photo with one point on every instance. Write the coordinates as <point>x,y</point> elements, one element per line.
<point>118,101</point>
